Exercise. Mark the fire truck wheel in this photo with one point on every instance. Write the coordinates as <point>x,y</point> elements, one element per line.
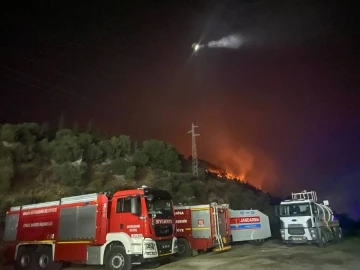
<point>117,259</point>
<point>24,259</point>
<point>44,261</point>
<point>184,249</point>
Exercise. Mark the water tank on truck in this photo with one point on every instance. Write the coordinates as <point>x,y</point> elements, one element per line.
<point>249,225</point>
<point>202,227</point>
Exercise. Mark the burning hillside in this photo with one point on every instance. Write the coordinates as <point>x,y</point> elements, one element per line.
<point>245,165</point>
<point>220,172</point>
<point>225,174</point>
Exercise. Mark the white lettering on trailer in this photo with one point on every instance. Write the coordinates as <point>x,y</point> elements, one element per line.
<point>137,235</point>
<point>179,230</point>
<point>249,220</point>
<point>133,226</point>
<point>132,230</point>
<point>179,213</point>
<point>38,224</point>
<point>39,211</point>
<point>163,221</point>
<point>181,221</point>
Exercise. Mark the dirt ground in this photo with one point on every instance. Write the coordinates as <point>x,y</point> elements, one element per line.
<point>271,255</point>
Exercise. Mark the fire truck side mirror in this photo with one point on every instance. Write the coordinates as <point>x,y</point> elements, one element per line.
<point>136,206</point>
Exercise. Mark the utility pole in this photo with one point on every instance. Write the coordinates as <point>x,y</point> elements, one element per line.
<point>194,152</point>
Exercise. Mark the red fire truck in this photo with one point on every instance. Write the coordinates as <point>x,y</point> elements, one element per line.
<point>202,227</point>
<point>131,227</point>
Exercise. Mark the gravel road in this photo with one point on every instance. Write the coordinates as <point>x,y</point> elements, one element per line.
<point>271,255</point>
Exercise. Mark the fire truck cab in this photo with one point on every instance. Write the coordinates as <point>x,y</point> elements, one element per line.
<point>131,227</point>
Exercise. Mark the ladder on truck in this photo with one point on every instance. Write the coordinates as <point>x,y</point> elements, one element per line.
<point>304,195</point>
<point>218,237</point>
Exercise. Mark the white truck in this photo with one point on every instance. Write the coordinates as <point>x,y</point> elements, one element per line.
<point>303,220</point>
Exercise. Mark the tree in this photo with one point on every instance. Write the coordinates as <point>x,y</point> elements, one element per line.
<point>66,147</point>
<point>161,155</point>
<point>116,147</point>
<point>70,174</point>
<point>6,170</point>
<point>25,148</point>
<point>93,153</point>
<point>200,190</point>
<point>187,190</point>
<point>130,172</point>
<point>107,149</point>
<point>119,166</point>
<point>140,158</point>
<point>85,139</point>
<point>121,145</point>
<point>9,133</point>
<point>32,129</point>
<point>23,152</point>
<point>43,148</point>
<point>44,131</point>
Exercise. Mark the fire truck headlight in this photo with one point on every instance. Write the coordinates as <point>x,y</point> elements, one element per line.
<point>150,246</point>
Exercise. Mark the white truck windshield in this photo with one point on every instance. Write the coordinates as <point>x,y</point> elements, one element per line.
<point>296,209</point>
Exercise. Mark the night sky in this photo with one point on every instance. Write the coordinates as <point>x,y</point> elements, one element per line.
<point>284,109</point>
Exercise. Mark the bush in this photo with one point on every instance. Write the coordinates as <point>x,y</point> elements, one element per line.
<point>140,158</point>
<point>187,190</point>
<point>93,153</point>
<point>119,166</point>
<point>6,174</point>
<point>66,147</point>
<point>130,172</point>
<point>9,133</point>
<point>162,155</point>
<point>69,174</point>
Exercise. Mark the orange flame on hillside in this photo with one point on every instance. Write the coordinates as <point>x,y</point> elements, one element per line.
<point>227,175</point>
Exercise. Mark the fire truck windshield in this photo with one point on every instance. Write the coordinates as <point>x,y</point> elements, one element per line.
<point>161,207</point>
<point>296,209</point>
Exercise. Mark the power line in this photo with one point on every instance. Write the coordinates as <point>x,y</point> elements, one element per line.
<point>40,81</point>
<point>28,84</point>
<point>52,69</point>
<point>50,87</point>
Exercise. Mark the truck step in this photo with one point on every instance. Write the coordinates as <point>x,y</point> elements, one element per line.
<point>224,249</point>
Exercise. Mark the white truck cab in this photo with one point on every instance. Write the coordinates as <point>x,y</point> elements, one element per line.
<point>303,220</point>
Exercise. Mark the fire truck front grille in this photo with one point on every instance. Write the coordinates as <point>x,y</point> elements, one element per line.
<point>163,230</point>
<point>296,229</point>
<point>164,246</point>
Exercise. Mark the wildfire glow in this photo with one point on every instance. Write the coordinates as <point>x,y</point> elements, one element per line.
<point>227,175</point>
